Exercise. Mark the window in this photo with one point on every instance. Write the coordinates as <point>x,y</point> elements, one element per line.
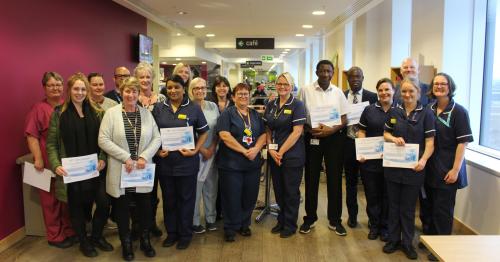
<point>490,111</point>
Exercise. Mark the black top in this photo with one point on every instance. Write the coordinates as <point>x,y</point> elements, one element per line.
<point>231,121</point>
<point>281,122</point>
<point>414,128</point>
<point>452,128</point>
<point>112,94</point>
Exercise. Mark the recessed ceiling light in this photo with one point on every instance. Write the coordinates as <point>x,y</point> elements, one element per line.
<point>174,64</point>
<point>299,34</point>
<point>182,13</point>
<point>178,34</point>
<point>287,49</point>
<point>284,52</point>
<point>163,63</point>
<point>177,59</point>
<point>318,12</point>
<point>307,26</point>
<point>203,62</point>
<point>210,35</point>
<point>199,26</point>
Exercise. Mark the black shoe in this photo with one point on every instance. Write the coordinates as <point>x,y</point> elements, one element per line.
<point>169,241</point>
<point>229,237</point>
<point>199,229</point>
<point>245,231</point>
<point>352,222</point>
<point>391,247</point>
<point>146,245</point>
<point>384,236</point>
<point>67,242</point>
<point>211,226</point>
<point>286,233</point>
<point>277,229</point>
<point>183,244</point>
<point>101,243</point>
<point>87,249</point>
<point>338,228</point>
<point>431,257</point>
<point>127,250</point>
<point>373,234</point>
<point>306,228</point>
<point>409,251</point>
<point>155,231</point>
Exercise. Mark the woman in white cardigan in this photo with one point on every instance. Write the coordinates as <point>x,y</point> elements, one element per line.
<point>130,137</point>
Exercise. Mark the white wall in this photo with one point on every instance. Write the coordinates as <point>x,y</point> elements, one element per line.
<point>427,32</point>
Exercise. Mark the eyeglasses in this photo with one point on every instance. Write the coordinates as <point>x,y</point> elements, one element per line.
<point>199,88</point>
<point>242,94</point>
<point>54,86</point>
<point>440,84</point>
<point>122,76</point>
<point>282,84</point>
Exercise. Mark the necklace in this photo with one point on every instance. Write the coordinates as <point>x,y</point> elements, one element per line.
<point>134,127</point>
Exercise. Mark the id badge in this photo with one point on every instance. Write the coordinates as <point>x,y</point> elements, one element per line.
<point>247,132</point>
<point>314,141</point>
<point>272,146</point>
<point>248,140</point>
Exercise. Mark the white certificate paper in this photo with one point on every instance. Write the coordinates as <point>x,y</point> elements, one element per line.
<point>176,138</point>
<point>369,148</point>
<point>39,179</point>
<point>355,111</point>
<point>326,115</point>
<point>80,168</point>
<point>138,177</point>
<point>400,156</point>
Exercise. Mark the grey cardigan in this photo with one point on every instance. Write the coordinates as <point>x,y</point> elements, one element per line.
<point>113,141</point>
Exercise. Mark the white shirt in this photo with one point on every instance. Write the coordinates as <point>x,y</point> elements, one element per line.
<point>350,96</point>
<point>313,95</point>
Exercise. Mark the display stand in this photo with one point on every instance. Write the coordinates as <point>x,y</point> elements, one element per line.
<point>268,208</point>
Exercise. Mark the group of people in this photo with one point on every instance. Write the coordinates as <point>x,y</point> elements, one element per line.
<point>123,127</point>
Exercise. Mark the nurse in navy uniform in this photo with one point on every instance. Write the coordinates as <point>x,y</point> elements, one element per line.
<point>242,134</point>
<point>446,169</point>
<point>285,118</point>
<point>412,123</point>
<point>178,169</point>
<point>371,124</point>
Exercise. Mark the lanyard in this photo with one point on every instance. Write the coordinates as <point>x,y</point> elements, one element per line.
<point>134,127</point>
<point>248,127</point>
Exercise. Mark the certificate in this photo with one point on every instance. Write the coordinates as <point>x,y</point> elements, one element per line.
<point>80,168</point>
<point>400,156</point>
<point>326,115</point>
<point>138,177</point>
<point>355,111</point>
<point>176,138</point>
<point>39,179</point>
<point>369,148</point>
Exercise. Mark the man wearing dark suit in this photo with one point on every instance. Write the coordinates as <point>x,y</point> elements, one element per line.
<point>355,94</point>
<point>121,73</point>
<point>410,68</point>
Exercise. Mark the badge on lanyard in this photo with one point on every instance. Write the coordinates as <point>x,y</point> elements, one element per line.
<point>393,121</point>
<point>247,132</point>
<point>247,140</point>
<point>287,112</point>
<point>182,116</point>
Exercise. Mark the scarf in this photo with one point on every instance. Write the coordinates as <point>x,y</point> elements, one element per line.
<point>79,140</point>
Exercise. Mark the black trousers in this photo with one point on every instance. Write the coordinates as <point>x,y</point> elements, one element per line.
<point>142,210</point>
<point>441,206</point>
<point>178,196</point>
<point>102,207</point>
<point>78,202</point>
<point>154,198</point>
<point>377,205</point>
<point>239,191</point>
<point>331,149</point>
<point>351,171</point>
<point>402,205</point>
<point>425,214</point>
<point>286,183</point>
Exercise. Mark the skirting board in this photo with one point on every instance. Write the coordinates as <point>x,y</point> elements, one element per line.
<point>12,239</point>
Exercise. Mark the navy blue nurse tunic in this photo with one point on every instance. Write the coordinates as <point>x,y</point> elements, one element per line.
<point>281,122</point>
<point>414,129</point>
<point>452,128</point>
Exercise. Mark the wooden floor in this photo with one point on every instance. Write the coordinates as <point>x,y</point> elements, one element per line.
<point>321,244</point>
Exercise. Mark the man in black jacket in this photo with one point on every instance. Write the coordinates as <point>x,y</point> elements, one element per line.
<point>355,94</point>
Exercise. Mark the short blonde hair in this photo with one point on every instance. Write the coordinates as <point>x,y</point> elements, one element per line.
<point>131,82</point>
<point>288,78</point>
<point>193,83</point>
<point>178,67</point>
<point>143,66</point>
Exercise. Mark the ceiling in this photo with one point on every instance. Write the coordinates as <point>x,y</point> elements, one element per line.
<point>281,19</point>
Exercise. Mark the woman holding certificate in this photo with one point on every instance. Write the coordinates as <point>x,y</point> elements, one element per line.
<point>242,135</point>
<point>446,169</point>
<point>130,137</point>
<point>285,118</point>
<point>371,124</point>
<point>183,131</point>
<point>73,132</point>
<point>408,123</point>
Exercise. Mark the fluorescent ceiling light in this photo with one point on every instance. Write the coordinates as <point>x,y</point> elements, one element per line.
<point>174,64</point>
<point>203,62</point>
<point>182,13</point>
<point>210,35</point>
<point>299,34</point>
<point>287,49</point>
<point>199,26</point>
<point>318,12</point>
<point>178,34</point>
<point>177,59</point>
<point>307,26</point>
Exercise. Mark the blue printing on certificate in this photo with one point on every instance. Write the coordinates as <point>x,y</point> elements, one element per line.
<point>147,175</point>
<point>186,138</point>
<point>89,168</point>
<point>334,114</point>
<point>380,147</point>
